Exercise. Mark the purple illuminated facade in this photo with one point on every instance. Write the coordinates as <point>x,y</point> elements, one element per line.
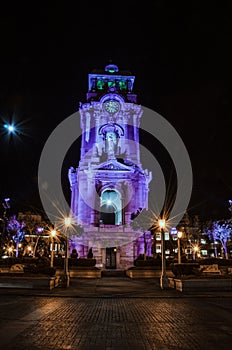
<point>109,184</point>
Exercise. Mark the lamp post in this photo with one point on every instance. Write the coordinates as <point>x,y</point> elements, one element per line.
<point>53,233</point>
<point>179,235</point>
<point>29,248</point>
<point>67,222</point>
<point>164,284</point>
<point>195,250</point>
<point>10,250</point>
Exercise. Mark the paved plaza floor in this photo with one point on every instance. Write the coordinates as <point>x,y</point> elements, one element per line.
<point>114,313</point>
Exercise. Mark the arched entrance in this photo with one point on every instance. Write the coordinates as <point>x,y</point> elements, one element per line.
<point>111,207</point>
<point>108,214</point>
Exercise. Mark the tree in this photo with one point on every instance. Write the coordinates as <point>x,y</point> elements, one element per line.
<point>16,231</point>
<point>196,230</point>
<point>35,229</point>
<point>34,234</point>
<point>142,221</point>
<point>184,226</point>
<point>221,231</point>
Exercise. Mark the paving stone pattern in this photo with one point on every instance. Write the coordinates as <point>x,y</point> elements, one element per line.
<point>118,323</point>
<point>164,320</point>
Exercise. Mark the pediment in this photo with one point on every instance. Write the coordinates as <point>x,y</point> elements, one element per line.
<point>114,165</point>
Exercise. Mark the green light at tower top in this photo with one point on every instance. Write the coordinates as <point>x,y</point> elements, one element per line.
<point>100,84</point>
<point>110,79</point>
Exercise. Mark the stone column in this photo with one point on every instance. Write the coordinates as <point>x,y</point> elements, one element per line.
<point>127,217</point>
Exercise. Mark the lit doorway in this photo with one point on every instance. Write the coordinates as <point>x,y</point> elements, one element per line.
<point>111,258</point>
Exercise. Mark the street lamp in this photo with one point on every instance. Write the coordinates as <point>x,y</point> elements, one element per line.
<point>10,250</point>
<point>195,250</point>
<point>163,278</point>
<point>67,222</point>
<point>53,233</point>
<point>29,248</point>
<point>179,235</point>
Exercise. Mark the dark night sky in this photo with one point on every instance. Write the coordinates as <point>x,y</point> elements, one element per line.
<point>180,55</point>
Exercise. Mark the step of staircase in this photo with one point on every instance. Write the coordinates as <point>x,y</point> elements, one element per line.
<point>113,273</point>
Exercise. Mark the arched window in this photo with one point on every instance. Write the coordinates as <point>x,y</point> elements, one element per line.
<point>111,207</point>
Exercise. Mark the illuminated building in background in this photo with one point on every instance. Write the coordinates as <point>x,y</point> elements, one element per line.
<point>110,185</point>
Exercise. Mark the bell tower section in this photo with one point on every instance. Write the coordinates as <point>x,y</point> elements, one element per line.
<point>110,118</point>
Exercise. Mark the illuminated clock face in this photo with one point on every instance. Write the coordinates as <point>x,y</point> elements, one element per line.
<point>112,106</point>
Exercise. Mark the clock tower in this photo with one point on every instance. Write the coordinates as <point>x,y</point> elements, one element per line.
<point>109,185</point>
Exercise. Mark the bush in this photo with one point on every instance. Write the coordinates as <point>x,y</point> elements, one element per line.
<point>82,262</point>
<point>32,268</point>
<point>59,262</point>
<point>46,270</point>
<point>220,262</point>
<point>140,257</point>
<point>43,261</point>
<point>184,269</point>
<point>147,262</point>
<point>13,260</point>
<point>40,269</point>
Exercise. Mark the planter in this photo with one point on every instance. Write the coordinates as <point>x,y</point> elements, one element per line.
<point>137,273</point>
<point>203,285</point>
<point>85,273</point>
<point>30,282</point>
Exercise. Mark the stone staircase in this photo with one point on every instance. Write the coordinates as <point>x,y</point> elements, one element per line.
<point>113,273</point>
